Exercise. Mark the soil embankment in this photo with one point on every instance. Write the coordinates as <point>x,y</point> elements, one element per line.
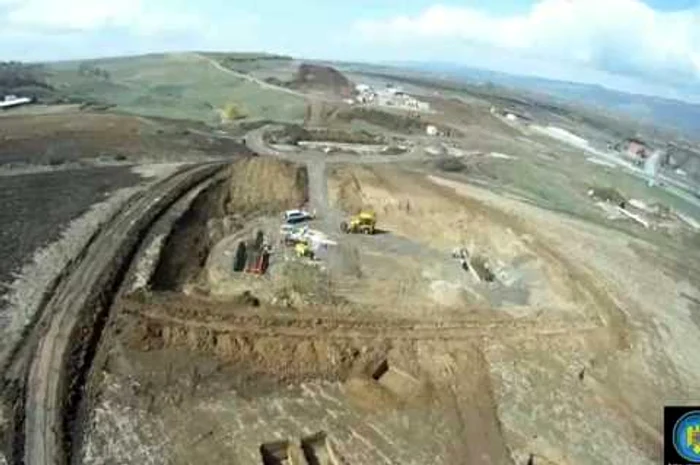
<point>255,186</point>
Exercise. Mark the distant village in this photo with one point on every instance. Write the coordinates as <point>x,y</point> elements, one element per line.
<point>682,160</point>
<point>390,96</point>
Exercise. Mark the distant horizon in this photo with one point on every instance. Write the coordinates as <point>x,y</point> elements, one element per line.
<point>644,47</point>
<point>457,66</point>
<point>406,64</point>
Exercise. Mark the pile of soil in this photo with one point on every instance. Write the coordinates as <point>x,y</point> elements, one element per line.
<point>266,186</point>
<point>324,78</point>
<point>290,359</point>
<point>171,322</point>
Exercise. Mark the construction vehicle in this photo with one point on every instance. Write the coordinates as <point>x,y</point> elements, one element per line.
<point>252,256</point>
<point>303,249</point>
<point>364,223</point>
<point>297,216</point>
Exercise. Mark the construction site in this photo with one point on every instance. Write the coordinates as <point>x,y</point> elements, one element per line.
<point>364,287</point>
<point>343,313</point>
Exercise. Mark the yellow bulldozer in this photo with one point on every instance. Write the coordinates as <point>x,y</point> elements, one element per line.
<point>303,249</point>
<point>364,222</point>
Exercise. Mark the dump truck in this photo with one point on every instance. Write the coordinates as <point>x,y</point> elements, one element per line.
<point>364,223</point>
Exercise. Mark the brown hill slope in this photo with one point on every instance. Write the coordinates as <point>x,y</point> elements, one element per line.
<point>322,78</point>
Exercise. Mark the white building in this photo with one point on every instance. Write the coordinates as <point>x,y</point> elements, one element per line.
<point>431,130</point>
<point>390,96</point>
<point>365,93</point>
<point>10,101</point>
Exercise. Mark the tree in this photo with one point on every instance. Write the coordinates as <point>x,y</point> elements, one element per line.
<point>16,75</point>
<point>88,70</point>
<point>232,112</point>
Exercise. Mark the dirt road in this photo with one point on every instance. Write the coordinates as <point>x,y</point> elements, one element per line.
<point>58,351</point>
<point>248,77</point>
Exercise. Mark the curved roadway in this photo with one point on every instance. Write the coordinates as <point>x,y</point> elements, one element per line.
<point>77,305</point>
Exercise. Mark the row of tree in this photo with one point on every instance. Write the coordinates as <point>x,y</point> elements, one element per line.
<point>86,69</point>
<point>15,76</point>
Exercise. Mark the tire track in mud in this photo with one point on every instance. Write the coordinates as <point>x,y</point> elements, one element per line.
<point>74,318</point>
<point>371,329</point>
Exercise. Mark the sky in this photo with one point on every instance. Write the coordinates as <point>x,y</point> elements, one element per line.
<point>641,46</point>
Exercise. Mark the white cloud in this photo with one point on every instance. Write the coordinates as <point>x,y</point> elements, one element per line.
<point>137,16</point>
<point>620,36</point>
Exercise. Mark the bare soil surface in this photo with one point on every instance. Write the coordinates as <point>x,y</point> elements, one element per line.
<point>391,351</point>
<point>56,139</point>
<point>310,77</point>
<point>36,207</point>
<point>426,222</point>
<point>264,185</point>
<point>558,340</point>
<point>252,187</point>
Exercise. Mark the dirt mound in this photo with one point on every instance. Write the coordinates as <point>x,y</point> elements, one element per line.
<point>282,357</point>
<point>265,185</point>
<point>324,78</point>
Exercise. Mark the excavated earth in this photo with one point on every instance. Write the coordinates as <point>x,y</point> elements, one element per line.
<point>386,350</point>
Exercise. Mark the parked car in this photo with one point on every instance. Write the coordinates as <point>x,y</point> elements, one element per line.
<point>297,216</point>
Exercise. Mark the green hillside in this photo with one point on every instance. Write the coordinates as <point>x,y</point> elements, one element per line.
<point>182,86</point>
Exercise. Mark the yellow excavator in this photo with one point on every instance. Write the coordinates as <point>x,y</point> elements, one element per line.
<point>364,223</point>
<point>303,249</point>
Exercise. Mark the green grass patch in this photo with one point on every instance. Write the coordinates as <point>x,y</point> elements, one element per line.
<point>174,86</point>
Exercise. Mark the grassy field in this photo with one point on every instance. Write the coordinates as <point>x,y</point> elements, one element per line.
<point>181,86</point>
<point>560,181</point>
